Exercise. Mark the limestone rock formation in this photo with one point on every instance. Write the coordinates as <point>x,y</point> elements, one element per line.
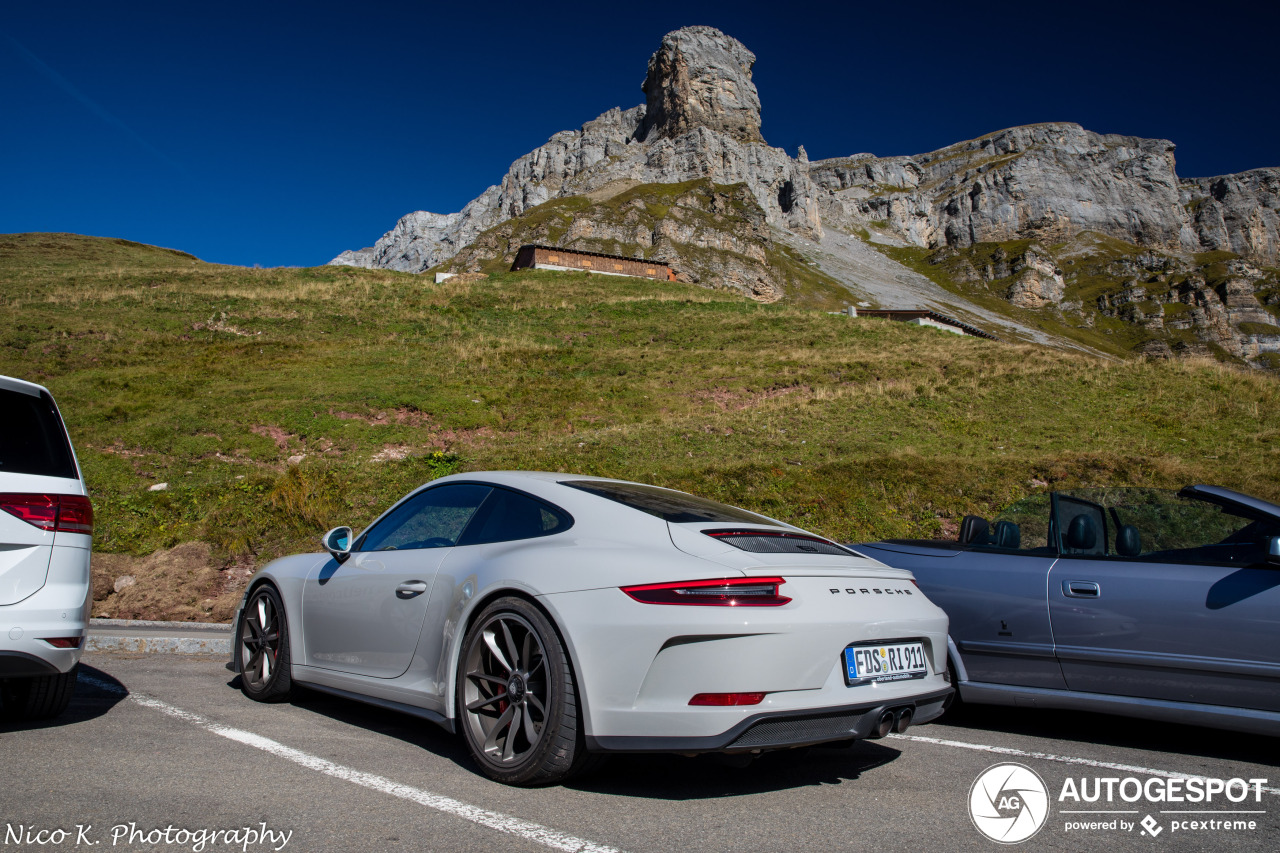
<point>1038,283</point>
<point>1050,182</point>
<point>1046,181</point>
<point>707,125</point>
<point>701,78</point>
<point>1237,213</point>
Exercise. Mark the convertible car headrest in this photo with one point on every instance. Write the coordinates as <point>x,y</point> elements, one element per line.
<point>1082,533</point>
<point>974,530</point>
<point>1007,535</point>
<point>1128,541</point>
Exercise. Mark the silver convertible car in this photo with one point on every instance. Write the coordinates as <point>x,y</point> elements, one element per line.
<point>551,617</point>
<point>1142,602</point>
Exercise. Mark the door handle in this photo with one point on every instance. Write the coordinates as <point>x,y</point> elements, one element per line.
<point>409,589</point>
<point>1081,589</point>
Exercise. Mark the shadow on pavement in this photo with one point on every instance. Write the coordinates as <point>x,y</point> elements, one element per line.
<point>707,777</point>
<point>405,727</point>
<point>1109,730</point>
<point>89,702</point>
<point>667,777</point>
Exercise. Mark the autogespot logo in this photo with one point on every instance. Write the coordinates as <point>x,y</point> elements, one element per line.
<point>1009,803</point>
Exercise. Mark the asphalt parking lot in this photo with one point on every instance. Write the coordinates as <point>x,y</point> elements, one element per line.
<point>155,746</point>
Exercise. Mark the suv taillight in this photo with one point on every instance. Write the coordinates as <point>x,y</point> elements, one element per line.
<point>64,513</point>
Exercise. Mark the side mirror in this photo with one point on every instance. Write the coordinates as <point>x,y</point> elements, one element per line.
<point>338,543</point>
<point>1273,551</point>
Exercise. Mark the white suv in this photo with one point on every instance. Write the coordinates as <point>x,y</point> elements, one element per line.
<point>46,529</point>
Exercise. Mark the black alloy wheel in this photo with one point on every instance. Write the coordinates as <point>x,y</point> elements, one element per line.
<point>517,699</point>
<point>263,646</point>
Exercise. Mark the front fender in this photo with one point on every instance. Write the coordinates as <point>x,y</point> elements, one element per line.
<point>288,575</point>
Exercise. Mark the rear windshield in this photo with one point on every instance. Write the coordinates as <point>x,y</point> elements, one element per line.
<point>676,507</point>
<point>32,440</point>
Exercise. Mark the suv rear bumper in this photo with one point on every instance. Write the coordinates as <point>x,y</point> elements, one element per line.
<point>22,665</point>
<point>60,608</point>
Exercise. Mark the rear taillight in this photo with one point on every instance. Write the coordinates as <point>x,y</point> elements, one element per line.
<point>64,513</point>
<point>720,592</point>
<point>64,642</point>
<point>721,700</point>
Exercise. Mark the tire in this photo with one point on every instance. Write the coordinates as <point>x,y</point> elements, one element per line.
<point>262,642</point>
<point>38,697</point>
<point>517,698</point>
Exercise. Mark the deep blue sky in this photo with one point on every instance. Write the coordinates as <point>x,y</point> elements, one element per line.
<point>281,133</point>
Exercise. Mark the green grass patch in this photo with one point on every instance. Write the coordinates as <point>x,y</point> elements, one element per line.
<point>210,378</point>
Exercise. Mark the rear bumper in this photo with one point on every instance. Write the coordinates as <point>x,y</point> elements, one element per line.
<point>784,729</point>
<point>639,665</point>
<point>22,665</point>
<point>60,608</point>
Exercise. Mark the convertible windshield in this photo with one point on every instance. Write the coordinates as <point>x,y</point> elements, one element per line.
<point>676,507</point>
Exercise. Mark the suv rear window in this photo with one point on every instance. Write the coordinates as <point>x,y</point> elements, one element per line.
<point>676,507</point>
<point>32,438</point>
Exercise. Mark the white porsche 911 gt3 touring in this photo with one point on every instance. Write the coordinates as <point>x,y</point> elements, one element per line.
<point>552,617</point>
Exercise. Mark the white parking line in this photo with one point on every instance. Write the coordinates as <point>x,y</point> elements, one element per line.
<point>493,820</point>
<point>1063,759</point>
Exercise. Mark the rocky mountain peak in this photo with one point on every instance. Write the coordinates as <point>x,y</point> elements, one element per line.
<point>701,77</point>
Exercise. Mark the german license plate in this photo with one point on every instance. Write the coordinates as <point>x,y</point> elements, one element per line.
<point>885,662</point>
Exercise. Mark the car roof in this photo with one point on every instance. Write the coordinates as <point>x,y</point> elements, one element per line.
<point>10,383</point>
<point>552,486</point>
<point>513,478</point>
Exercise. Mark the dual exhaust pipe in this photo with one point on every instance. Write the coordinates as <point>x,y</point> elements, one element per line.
<point>893,720</point>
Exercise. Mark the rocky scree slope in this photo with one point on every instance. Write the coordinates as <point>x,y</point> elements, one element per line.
<point>1048,184</point>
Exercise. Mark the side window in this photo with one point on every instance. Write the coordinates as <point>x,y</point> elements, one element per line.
<point>507,516</point>
<point>1024,526</point>
<point>1165,527</point>
<point>431,519</point>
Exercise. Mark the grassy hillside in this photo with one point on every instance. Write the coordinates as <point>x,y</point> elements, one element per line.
<point>211,378</point>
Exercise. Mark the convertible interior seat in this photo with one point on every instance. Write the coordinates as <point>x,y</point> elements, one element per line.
<point>1128,541</point>
<point>1082,535</point>
<point>1007,535</point>
<point>975,530</point>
